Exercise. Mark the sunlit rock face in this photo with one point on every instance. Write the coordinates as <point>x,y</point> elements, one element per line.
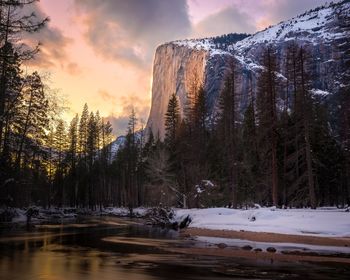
<point>178,68</point>
<point>324,31</point>
<point>174,69</point>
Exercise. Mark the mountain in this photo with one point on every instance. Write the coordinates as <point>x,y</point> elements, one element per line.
<point>178,65</point>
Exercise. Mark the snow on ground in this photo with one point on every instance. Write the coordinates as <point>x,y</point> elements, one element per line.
<point>328,222</point>
<point>17,215</point>
<point>123,212</point>
<point>320,92</point>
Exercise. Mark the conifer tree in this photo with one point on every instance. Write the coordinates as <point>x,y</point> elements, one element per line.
<point>31,118</point>
<point>12,101</point>
<point>250,151</point>
<point>306,109</point>
<point>172,121</point>
<point>73,141</point>
<point>228,133</point>
<point>267,119</point>
<point>60,146</point>
<point>83,132</point>
<point>13,23</point>
<point>92,130</point>
<point>72,158</point>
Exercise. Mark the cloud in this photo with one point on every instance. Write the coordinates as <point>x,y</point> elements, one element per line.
<point>53,43</point>
<point>228,20</point>
<point>285,9</point>
<point>129,31</point>
<point>120,122</point>
<point>53,47</point>
<point>270,12</point>
<point>73,69</point>
<point>249,16</point>
<point>106,96</point>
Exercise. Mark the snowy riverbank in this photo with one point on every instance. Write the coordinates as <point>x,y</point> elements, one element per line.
<point>39,214</point>
<point>322,222</point>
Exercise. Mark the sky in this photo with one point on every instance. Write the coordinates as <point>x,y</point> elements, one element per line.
<point>100,52</point>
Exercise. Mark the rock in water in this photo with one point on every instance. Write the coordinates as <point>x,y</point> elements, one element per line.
<point>271,250</point>
<point>222,245</point>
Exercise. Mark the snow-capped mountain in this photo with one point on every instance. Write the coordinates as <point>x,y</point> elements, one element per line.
<point>119,143</point>
<point>324,30</point>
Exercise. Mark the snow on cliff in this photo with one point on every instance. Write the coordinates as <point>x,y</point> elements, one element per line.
<point>324,31</point>
<point>323,23</point>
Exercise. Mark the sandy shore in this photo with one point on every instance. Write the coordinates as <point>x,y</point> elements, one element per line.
<point>270,237</point>
<point>296,256</point>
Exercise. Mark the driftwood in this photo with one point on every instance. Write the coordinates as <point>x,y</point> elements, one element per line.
<point>165,217</point>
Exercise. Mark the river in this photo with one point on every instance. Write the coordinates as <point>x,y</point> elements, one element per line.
<point>114,248</point>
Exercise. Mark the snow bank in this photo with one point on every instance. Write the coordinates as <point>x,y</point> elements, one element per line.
<point>121,212</point>
<point>328,222</point>
<point>17,215</point>
<point>279,246</point>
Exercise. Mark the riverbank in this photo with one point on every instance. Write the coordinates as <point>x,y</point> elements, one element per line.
<point>321,222</point>
<point>268,247</point>
<point>269,237</point>
<point>36,215</point>
<point>270,234</point>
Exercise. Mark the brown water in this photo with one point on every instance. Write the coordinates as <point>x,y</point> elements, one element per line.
<point>111,248</point>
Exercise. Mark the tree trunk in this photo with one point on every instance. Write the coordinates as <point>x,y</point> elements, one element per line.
<point>310,175</point>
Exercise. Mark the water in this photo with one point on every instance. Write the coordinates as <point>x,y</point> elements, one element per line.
<point>111,248</point>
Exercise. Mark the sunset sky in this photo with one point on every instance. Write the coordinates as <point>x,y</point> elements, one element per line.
<point>101,51</point>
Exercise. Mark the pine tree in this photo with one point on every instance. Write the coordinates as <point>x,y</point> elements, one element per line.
<point>299,159</point>
<point>98,125</point>
<point>73,141</point>
<point>32,118</point>
<point>344,127</point>
<point>200,113</point>
<point>267,120</point>
<point>172,121</point>
<point>72,158</point>
<point>83,132</point>
<point>228,133</point>
<point>60,140</point>
<point>250,152</point>
<point>107,138</point>
<point>132,126</point>
<point>13,23</point>
<point>132,162</point>
<point>60,146</point>
<point>12,101</point>
<point>306,105</point>
<point>92,136</point>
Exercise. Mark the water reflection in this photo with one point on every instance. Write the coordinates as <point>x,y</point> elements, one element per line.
<point>109,248</point>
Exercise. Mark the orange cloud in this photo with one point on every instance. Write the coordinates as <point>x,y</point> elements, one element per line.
<point>263,23</point>
<point>73,69</point>
<point>106,96</point>
<point>128,103</point>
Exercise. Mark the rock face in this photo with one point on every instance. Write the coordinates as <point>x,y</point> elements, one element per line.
<point>180,65</point>
<point>174,69</point>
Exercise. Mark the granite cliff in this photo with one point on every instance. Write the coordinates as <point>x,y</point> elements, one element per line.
<point>325,31</point>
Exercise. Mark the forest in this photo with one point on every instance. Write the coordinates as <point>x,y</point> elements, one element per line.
<point>285,148</point>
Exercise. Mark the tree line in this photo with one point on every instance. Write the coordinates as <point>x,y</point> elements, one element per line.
<point>41,160</point>
<point>286,148</point>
